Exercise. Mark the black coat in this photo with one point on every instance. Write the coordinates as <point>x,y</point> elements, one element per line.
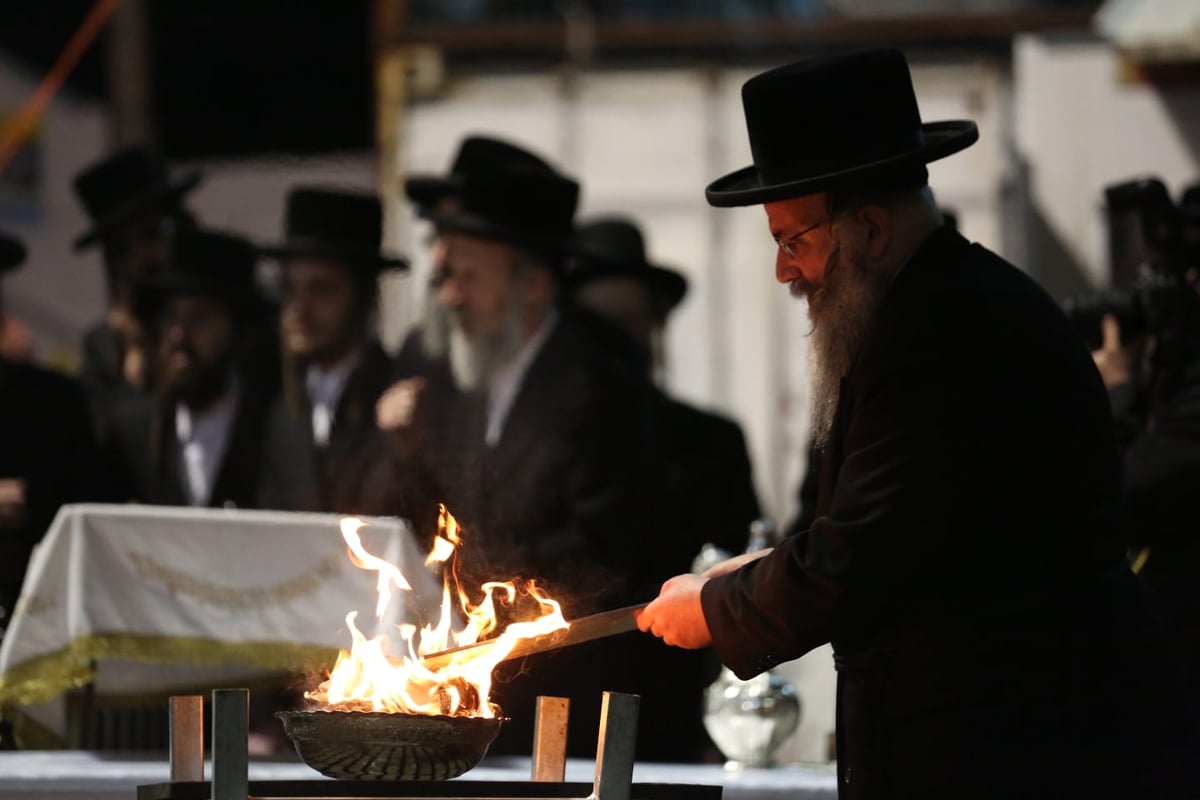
<point>965,562</point>
<point>100,374</point>
<point>563,497</point>
<point>141,454</point>
<point>708,472</point>
<point>299,475</point>
<point>1160,450</point>
<point>46,441</point>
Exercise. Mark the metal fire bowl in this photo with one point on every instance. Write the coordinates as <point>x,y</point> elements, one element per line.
<point>360,745</point>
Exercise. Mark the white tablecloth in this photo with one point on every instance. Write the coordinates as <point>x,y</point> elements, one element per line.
<point>90,776</point>
<point>165,600</point>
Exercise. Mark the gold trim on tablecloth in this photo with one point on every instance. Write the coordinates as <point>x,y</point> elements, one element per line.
<point>232,598</point>
<point>45,677</point>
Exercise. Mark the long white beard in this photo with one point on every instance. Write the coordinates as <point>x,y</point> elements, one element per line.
<point>473,359</point>
<point>841,313</point>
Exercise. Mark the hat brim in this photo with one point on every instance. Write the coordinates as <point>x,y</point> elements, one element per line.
<point>745,187</point>
<point>668,285</point>
<point>429,190</point>
<point>368,258</point>
<point>12,253</point>
<point>484,228</point>
<point>169,191</point>
<point>151,293</point>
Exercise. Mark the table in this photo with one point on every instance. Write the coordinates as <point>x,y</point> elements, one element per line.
<point>141,602</point>
<point>74,775</point>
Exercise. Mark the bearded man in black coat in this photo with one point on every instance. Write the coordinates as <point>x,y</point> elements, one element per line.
<point>531,436</point>
<point>964,561</point>
<point>199,440</point>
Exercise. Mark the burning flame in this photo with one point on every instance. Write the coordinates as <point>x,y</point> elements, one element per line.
<point>368,678</point>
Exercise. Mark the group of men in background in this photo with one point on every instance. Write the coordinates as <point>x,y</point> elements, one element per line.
<point>525,401</point>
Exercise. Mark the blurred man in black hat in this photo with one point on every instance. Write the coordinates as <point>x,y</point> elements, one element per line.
<point>529,435</point>
<point>199,440</point>
<point>989,637</point>
<point>136,208</point>
<point>47,455</point>
<point>706,457</point>
<point>323,436</point>
<point>438,191</point>
<point>703,473</point>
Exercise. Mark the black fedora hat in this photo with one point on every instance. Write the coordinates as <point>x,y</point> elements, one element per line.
<point>614,246</point>
<point>124,184</point>
<point>12,253</point>
<point>529,206</point>
<point>475,152</point>
<point>204,262</point>
<point>834,121</point>
<point>331,223</point>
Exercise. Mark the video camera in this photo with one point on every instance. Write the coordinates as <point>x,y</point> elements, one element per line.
<point>1156,241</point>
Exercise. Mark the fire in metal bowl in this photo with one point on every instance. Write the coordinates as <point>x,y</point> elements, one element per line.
<point>361,745</point>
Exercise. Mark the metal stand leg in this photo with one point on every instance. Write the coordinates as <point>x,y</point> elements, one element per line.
<point>187,738</point>
<point>230,729</point>
<point>550,739</point>
<point>615,749</point>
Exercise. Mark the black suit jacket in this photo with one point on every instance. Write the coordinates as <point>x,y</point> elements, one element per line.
<point>100,376</point>
<point>46,441</point>
<point>563,497</point>
<point>707,471</point>
<point>964,560</point>
<point>300,476</point>
<point>142,454</point>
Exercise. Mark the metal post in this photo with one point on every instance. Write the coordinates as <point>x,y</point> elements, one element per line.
<point>550,739</point>
<point>230,759</point>
<point>187,738</point>
<point>615,749</point>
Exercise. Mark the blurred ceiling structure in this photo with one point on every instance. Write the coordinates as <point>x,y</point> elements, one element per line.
<point>1152,31</point>
<point>227,79</point>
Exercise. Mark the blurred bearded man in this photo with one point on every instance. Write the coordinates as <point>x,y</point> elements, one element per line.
<point>959,417</point>
<point>530,437</point>
<point>199,440</point>
<point>322,438</point>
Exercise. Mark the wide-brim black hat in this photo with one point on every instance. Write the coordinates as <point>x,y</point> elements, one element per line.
<point>614,247</point>
<point>516,204</point>
<point>835,121</point>
<point>337,224</point>
<point>125,184</point>
<point>208,263</point>
<point>475,152</point>
<point>12,253</point>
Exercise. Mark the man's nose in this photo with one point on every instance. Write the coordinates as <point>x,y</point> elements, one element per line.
<point>786,270</point>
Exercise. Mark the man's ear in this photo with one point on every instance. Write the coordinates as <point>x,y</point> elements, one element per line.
<point>539,286</point>
<point>877,226</point>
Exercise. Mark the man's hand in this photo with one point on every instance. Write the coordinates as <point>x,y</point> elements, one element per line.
<point>675,616</point>
<point>397,407</point>
<point>396,415</point>
<point>737,562</point>
<point>1118,363</point>
<point>13,510</point>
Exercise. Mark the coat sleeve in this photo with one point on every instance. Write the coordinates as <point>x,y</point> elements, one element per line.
<point>605,540</point>
<point>844,572</point>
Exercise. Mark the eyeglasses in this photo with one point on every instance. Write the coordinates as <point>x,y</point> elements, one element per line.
<point>788,245</point>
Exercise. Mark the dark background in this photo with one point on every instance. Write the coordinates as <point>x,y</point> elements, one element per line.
<point>228,79</point>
